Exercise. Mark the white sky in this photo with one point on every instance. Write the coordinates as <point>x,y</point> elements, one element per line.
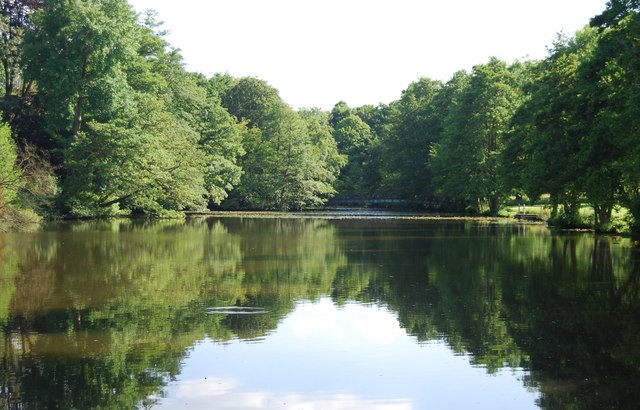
<point>318,52</point>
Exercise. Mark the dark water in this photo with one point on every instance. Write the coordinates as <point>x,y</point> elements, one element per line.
<point>316,313</point>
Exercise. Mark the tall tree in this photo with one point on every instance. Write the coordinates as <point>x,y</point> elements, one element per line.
<point>76,53</point>
<point>474,132</point>
<point>152,167</point>
<point>285,167</point>
<point>612,76</point>
<point>615,12</point>
<point>359,179</point>
<point>15,18</point>
<point>416,126</point>
<point>549,128</point>
<point>192,100</point>
<point>339,112</point>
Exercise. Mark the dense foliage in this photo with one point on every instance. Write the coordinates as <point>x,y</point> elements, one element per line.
<point>119,126</point>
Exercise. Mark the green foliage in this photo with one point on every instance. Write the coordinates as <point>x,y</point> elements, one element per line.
<point>417,124</point>
<point>106,103</point>
<point>221,141</point>
<point>467,160</point>
<point>76,53</point>
<point>27,185</point>
<point>153,167</point>
<point>9,175</point>
<point>289,163</point>
<point>613,79</point>
<point>574,137</point>
<point>547,127</point>
<point>339,112</point>
<point>360,177</point>
<point>252,100</point>
<point>320,133</point>
<point>15,18</point>
<point>615,12</point>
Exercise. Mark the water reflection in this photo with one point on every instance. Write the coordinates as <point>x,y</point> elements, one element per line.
<point>350,357</point>
<point>107,314</point>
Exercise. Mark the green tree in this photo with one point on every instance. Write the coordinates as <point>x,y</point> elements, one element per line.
<point>221,141</point>
<point>153,166</point>
<point>15,18</point>
<point>467,162</point>
<point>27,184</point>
<point>615,12</point>
<point>359,178</point>
<point>339,112</point>
<point>548,141</point>
<point>193,101</point>
<point>320,132</point>
<point>252,100</point>
<point>9,176</point>
<point>612,75</point>
<point>415,127</point>
<point>285,166</point>
<point>76,53</point>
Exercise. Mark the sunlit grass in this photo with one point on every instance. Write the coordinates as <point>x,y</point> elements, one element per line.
<point>541,211</point>
<point>619,218</point>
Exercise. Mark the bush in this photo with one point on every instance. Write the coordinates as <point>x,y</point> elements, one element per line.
<point>567,221</point>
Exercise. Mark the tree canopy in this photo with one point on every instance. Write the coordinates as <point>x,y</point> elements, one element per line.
<point>98,92</point>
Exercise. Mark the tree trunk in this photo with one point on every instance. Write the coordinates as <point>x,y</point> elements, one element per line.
<point>554,208</point>
<point>494,205</point>
<point>7,78</point>
<point>605,215</point>
<point>77,121</point>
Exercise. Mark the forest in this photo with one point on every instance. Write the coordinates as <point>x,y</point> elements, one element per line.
<point>101,118</point>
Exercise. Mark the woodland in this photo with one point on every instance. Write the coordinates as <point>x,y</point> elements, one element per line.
<point>101,118</point>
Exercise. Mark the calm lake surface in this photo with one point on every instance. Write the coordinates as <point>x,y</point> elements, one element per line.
<point>317,312</point>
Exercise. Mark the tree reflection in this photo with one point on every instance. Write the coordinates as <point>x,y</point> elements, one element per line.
<point>100,315</point>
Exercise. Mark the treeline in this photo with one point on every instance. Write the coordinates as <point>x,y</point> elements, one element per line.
<point>103,119</point>
<point>100,94</point>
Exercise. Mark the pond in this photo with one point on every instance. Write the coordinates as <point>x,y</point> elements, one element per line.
<point>318,311</point>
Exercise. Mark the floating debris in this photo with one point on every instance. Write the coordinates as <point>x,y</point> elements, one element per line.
<point>236,310</point>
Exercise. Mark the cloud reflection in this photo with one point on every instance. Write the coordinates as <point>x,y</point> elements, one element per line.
<point>224,394</point>
<point>351,322</point>
<point>350,356</point>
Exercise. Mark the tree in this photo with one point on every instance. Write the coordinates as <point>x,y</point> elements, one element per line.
<point>474,131</point>
<point>27,184</point>
<point>195,102</point>
<point>15,18</point>
<point>415,127</point>
<point>359,178</point>
<point>339,112</point>
<point>251,100</point>
<point>76,53</point>
<point>320,133</point>
<point>550,130</point>
<point>16,98</point>
<point>613,85</point>
<point>284,166</point>
<point>153,166</point>
<point>9,176</point>
<point>221,141</point>
<point>615,12</point>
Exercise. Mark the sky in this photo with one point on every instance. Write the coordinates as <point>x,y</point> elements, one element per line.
<point>320,52</point>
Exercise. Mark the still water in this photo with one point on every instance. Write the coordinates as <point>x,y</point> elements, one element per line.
<point>317,312</point>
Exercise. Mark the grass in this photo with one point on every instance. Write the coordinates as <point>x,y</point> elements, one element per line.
<point>541,211</point>
<point>619,218</point>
